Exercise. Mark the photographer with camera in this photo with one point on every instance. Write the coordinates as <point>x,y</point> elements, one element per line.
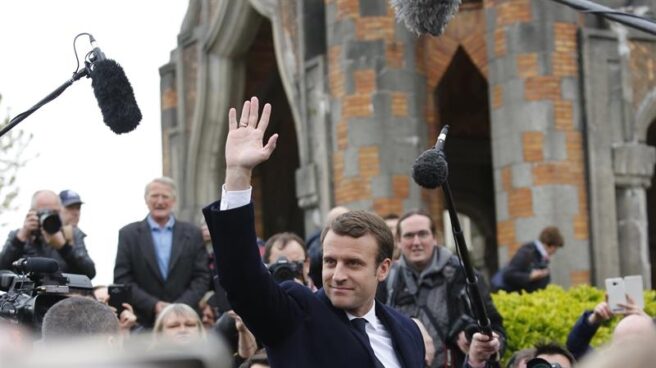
<point>286,258</point>
<point>43,235</point>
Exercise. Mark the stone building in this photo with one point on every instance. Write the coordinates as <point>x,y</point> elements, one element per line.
<point>551,117</point>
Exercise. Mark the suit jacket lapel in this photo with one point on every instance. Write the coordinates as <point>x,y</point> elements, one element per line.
<point>148,248</point>
<point>394,330</point>
<point>179,237</point>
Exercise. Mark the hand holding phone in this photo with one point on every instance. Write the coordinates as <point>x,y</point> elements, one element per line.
<point>119,294</point>
<point>623,292</point>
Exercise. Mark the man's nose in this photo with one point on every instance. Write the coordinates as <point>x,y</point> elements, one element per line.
<point>339,275</point>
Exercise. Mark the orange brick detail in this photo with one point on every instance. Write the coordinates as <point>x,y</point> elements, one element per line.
<point>514,11</point>
<point>365,81</point>
<point>338,166</point>
<point>564,37</point>
<point>394,54</point>
<point>400,186</point>
<point>500,42</point>
<point>497,96</point>
<point>506,232</point>
<point>564,64</point>
<point>574,144</point>
<point>399,104</point>
<point>579,277</point>
<point>335,72</point>
<point>347,9</point>
<point>169,99</point>
<point>542,88</point>
<point>554,173</point>
<point>341,130</point>
<point>375,28</point>
<point>352,189</point>
<point>533,146</point>
<point>388,205</point>
<point>581,226</point>
<point>527,65</point>
<point>357,105</point>
<point>369,161</point>
<point>564,115</point>
<point>520,202</point>
<point>506,178</point>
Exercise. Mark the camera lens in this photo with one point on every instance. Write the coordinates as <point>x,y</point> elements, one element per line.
<point>50,222</point>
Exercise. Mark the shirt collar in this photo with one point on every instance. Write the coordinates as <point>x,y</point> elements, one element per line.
<point>541,249</point>
<point>154,225</point>
<point>370,316</point>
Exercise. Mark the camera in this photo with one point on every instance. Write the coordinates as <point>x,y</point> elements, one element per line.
<point>49,221</point>
<point>36,287</point>
<point>283,270</point>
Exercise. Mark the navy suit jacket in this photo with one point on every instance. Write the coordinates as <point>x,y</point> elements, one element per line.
<point>299,328</point>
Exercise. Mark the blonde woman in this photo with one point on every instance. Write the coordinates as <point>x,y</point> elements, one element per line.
<point>179,324</point>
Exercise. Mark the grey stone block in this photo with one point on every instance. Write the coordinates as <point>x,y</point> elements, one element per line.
<point>373,8</point>
<point>364,132</point>
<point>560,200</point>
<point>569,88</point>
<point>555,146</point>
<point>501,206</point>
<point>341,32</point>
<point>528,37</point>
<point>351,164</point>
<point>396,80</point>
<point>522,175</point>
<point>534,116</point>
<point>364,54</point>
<point>364,205</point>
<point>381,186</point>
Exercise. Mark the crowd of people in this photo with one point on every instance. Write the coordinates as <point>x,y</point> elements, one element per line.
<point>364,291</point>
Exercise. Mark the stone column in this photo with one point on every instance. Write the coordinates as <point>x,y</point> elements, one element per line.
<point>633,165</point>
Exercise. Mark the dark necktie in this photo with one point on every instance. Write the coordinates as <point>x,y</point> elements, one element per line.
<point>359,327</point>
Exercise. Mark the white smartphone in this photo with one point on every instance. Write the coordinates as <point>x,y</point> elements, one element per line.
<point>634,289</point>
<point>616,294</point>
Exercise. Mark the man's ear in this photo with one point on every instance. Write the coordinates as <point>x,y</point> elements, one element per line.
<point>383,269</point>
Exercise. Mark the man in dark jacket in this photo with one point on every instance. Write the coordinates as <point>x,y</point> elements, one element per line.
<point>65,245</point>
<point>164,259</point>
<point>340,325</point>
<point>528,270</point>
<point>428,283</point>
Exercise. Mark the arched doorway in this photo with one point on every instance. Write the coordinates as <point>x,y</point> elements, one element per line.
<point>461,100</point>
<point>651,207</point>
<point>274,195</point>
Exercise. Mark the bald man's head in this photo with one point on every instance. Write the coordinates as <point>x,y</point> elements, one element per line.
<point>634,326</point>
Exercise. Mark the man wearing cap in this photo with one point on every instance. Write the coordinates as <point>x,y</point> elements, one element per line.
<point>71,207</point>
<point>43,235</point>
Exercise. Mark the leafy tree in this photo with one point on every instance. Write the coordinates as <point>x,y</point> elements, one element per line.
<point>12,158</point>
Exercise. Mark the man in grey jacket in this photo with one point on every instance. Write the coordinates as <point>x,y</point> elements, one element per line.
<point>66,245</point>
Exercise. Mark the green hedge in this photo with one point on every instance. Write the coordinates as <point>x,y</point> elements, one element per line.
<point>549,314</point>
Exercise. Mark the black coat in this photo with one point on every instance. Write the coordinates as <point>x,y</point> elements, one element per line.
<point>299,328</point>
<point>517,273</point>
<point>136,264</point>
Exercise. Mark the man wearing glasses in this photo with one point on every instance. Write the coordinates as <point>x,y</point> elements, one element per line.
<point>428,283</point>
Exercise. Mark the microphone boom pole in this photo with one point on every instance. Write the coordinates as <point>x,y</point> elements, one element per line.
<point>54,94</point>
<point>630,20</point>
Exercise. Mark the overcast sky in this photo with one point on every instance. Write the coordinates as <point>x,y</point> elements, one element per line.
<point>76,150</point>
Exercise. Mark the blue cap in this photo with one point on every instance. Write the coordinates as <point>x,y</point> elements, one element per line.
<point>69,198</point>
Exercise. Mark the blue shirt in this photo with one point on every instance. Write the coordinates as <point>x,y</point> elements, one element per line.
<point>163,241</point>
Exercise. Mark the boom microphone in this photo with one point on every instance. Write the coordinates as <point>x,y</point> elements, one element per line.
<point>115,96</point>
<point>425,16</point>
<point>36,265</point>
<point>430,169</point>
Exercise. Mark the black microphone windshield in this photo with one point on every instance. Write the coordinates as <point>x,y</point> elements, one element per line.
<point>115,96</point>
<point>425,16</point>
<point>430,169</point>
<point>37,265</point>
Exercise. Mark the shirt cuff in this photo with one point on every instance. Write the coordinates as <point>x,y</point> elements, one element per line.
<point>234,198</point>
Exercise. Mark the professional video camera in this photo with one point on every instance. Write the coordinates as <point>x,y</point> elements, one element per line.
<point>37,287</point>
<point>283,269</point>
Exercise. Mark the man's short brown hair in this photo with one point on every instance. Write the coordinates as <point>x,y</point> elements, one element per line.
<point>356,224</point>
<point>550,235</point>
<point>280,241</point>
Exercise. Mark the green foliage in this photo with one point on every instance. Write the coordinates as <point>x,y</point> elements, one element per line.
<point>549,314</point>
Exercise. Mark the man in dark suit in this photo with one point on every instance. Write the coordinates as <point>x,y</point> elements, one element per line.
<point>528,270</point>
<point>164,259</point>
<point>340,325</point>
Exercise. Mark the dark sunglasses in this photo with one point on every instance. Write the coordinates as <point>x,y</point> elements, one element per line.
<point>541,363</point>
